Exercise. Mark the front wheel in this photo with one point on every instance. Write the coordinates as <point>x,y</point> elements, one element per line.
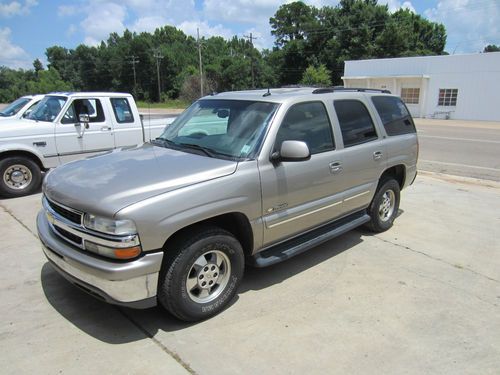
<point>19,176</point>
<point>201,274</point>
<point>384,207</point>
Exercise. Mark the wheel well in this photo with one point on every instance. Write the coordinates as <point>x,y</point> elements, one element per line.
<point>25,154</point>
<point>398,172</point>
<point>235,223</point>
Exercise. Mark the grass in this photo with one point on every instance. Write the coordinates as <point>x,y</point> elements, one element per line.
<point>170,104</point>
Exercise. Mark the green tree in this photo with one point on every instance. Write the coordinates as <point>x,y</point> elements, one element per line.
<point>491,48</point>
<point>317,76</point>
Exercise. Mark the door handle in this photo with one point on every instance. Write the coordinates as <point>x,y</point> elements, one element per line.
<point>377,155</point>
<point>105,128</point>
<point>335,167</point>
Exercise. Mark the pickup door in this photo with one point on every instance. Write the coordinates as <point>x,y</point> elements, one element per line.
<point>74,140</point>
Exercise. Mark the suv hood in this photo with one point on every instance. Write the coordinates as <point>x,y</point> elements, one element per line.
<point>107,183</point>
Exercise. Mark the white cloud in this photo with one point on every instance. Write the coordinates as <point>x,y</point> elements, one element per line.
<point>395,5</point>
<point>470,25</point>
<point>67,10</point>
<point>111,18</point>
<point>246,11</point>
<point>148,23</point>
<point>11,55</point>
<point>190,28</point>
<point>16,8</point>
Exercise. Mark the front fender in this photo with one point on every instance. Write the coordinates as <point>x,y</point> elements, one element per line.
<point>11,148</point>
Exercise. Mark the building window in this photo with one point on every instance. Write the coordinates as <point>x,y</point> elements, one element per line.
<point>410,95</point>
<point>448,97</point>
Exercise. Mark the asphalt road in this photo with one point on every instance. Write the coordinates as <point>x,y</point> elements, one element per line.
<point>462,148</point>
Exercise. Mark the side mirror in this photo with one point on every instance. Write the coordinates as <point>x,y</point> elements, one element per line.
<point>27,113</point>
<point>292,151</point>
<point>84,119</point>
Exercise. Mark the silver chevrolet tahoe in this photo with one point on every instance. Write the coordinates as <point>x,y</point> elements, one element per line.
<point>250,177</point>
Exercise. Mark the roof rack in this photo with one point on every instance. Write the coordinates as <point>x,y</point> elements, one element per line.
<point>326,90</point>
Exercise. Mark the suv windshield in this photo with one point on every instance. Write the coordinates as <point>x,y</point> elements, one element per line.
<point>14,107</point>
<point>221,128</point>
<point>48,108</point>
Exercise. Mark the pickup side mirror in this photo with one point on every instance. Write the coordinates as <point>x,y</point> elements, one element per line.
<point>292,151</point>
<point>84,119</point>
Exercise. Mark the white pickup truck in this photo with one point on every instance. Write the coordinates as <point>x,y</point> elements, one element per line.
<point>20,108</point>
<point>65,127</point>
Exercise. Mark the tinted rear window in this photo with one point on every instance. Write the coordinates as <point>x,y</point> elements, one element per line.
<point>355,122</point>
<point>394,115</point>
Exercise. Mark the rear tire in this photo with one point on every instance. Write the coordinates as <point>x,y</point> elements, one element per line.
<point>19,176</point>
<point>201,274</point>
<point>384,207</point>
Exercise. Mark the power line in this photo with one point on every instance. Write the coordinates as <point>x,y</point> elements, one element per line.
<point>201,65</point>
<point>134,60</point>
<point>251,38</point>
<point>158,56</point>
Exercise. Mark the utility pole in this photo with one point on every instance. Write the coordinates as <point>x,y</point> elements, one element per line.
<point>251,38</point>
<point>201,65</point>
<point>134,60</point>
<point>158,56</point>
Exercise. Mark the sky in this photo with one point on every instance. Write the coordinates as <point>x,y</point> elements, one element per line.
<point>28,27</point>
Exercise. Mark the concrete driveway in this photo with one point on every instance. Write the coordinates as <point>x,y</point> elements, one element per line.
<point>422,298</point>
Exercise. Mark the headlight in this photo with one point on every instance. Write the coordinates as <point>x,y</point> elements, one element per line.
<point>117,253</point>
<point>116,227</point>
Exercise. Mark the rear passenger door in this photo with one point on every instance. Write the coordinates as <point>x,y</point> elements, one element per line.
<point>127,128</point>
<point>73,140</point>
<point>300,195</point>
<point>363,154</point>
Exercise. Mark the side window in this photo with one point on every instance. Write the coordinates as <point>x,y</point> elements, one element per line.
<point>91,107</point>
<point>355,122</point>
<point>307,122</point>
<point>121,108</point>
<point>394,115</point>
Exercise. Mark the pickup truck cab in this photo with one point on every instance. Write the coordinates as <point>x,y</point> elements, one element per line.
<point>20,107</point>
<point>252,177</point>
<point>53,134</point>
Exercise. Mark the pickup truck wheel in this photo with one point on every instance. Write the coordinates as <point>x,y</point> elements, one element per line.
<point>19,176</point>
<point>384,207</point>
<point>201,274</point>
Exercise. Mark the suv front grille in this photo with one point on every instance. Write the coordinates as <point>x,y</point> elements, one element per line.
<point>69,236</point>
<point>72,216</point>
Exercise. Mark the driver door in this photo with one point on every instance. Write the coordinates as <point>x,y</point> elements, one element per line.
<point>75,140</point>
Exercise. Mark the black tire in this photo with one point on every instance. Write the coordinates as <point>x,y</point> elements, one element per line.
<point>28,172</point>
<point>381,219</point>
<point>179,264</point>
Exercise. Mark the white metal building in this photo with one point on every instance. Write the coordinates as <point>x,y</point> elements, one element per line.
<point>465,87</point>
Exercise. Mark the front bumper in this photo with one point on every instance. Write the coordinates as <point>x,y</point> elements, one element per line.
<point>132,284</point>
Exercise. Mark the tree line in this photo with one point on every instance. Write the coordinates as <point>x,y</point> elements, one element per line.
<point>311,46</point>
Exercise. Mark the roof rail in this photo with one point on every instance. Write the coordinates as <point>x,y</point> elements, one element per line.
<point>326,90</point>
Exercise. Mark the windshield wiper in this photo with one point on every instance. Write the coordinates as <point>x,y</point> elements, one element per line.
<point>207,151</point>
<point>164,141</point>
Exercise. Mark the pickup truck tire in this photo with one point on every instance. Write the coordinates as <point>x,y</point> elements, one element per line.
<point>19,176</point>
<point>384,206</point>
<point>201,274</point>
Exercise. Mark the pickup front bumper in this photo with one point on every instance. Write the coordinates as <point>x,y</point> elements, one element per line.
<point>132,284</point>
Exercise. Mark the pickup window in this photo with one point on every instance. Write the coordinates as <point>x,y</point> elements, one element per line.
<point>307,122</point>
<point>121,108</point>
<point>355,122</point>
<point>394,115</point>
<point>91,107</point>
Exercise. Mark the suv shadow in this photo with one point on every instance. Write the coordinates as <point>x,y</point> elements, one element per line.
<point>111,324</point>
